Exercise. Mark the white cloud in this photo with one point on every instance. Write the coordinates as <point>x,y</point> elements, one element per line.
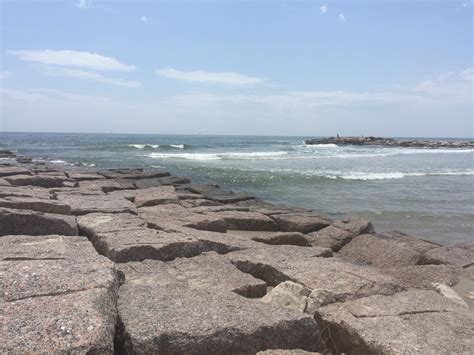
<point>72,59</point>
<point>82,74</point>
<point>201,76</point>
<point>144,19</point>
<point>323,8</point>
<point>342,18</point>
<point>82,4</point>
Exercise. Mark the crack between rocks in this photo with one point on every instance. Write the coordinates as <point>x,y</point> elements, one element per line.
<point>398,314</point>
<point>57,293</point>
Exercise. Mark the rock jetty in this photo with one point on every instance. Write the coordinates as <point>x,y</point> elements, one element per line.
<point>390,142</point>
<point>128,261</point>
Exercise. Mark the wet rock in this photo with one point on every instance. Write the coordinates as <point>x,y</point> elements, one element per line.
<point>11,170</point>
<point>190,203</point>
<point>58,296</point>
<point>213,192</point>
<point>461,254</point>
<point>83,204</point>
<point>312,268</point>
<point>36,180</point>
<point>132,174</point>
<point>286,352</point>
<point>355,225</point>
<point>389,142</point>
<point>385,250</point>
<point>294,296</point>
<point>162,216</point>
<point>84,176</point>
<point>14,221</point>
<point>162,181</point>
<point>6,154</point>
<point>156,196</point>
<point>241,220</point>
<point>423,276</point>
<point>200,314</point>
<point>35,204</point>
<point>282,238</point>
<point>420,321</point>
<point>301,222</point>
<point>329,237</point>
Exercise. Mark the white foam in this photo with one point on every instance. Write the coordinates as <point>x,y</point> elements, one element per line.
<point>395,175</point>
<point>58,162</point>
<point>221,156</point>
<point>178,146</point>
<point>143,146</point>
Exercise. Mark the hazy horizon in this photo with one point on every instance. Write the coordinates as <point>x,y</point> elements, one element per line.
<point>223,135</point>
<point>273,68</point>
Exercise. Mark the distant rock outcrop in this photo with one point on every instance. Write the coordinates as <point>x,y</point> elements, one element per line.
<point>391,142</point>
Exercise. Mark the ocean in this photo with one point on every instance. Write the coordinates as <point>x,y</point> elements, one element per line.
<point>428,193</point>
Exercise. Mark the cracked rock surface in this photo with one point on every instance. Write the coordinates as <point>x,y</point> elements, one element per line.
<point>127,261</point>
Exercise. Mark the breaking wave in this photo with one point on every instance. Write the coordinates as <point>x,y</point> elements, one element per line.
<point>221,156</point>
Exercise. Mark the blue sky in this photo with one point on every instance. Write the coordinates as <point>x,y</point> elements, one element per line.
<point>396,68</point>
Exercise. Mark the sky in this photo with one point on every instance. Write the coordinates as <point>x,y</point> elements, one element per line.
<point>312,68</point>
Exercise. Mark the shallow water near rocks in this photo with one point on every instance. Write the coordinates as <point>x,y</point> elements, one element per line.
<point>426,192</point>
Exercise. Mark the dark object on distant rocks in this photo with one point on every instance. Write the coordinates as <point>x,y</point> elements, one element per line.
<point>390,142</point>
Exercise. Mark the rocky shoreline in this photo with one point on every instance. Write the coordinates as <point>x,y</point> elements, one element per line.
<point>390,142</point>
<point>127,261</point>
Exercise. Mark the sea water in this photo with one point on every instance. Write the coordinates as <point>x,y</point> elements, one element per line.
<point>426,192</point>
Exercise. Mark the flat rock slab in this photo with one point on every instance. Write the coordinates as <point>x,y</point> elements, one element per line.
<point>83,204</point>
<point>200,314</point>
<point>379,251</point>
<point>310,268</point>
<point>132,174</point>
<point>35,204</point>
<point>13,221</point>
<point>163,181</point>
<point>102,185</point>
<point>4,182</point>
<point>283,238</point>
<point>13,170</point>
<point>84,176</point>
<point>457,254</point>
<point>124,237</point>
<point>163,216</point>
<point>93,223</point>
<point>330,237</point>
<point>243,220</point>
<point>46,181</point>
<point>413,321</point>
<point>58,296</point>
<point>301,222</point>
<point>423,276</point>
<point>25,191</point>
<point>156,196</point>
